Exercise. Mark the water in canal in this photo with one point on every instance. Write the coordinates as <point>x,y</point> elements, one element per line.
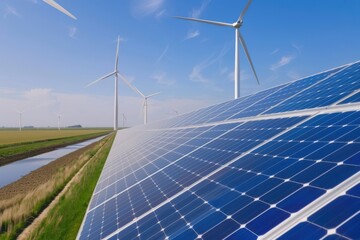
<point>14,171</point>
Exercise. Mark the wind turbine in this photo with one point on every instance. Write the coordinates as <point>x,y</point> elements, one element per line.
<point>117,75</point>
<point>145,104</point>
<point>238,38</point>
<point>60,8</point>
<point>59,117</point>
<point>20,121</point>
<point>123,120</point>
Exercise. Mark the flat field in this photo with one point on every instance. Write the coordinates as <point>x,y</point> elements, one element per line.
<point>16,145</point>
<point>33,135</point>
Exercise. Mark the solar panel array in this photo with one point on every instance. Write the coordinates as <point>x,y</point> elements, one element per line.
<point>278,163</point>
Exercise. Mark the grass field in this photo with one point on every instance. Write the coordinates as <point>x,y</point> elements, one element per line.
<point>16,145</point>
<point>64,220</point>
<point>19,211</point>
<point>31,135</point>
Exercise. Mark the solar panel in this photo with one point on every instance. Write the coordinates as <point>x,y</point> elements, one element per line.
<point>237,170</point>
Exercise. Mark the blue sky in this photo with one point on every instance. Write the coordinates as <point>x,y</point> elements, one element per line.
<point>46,58</point>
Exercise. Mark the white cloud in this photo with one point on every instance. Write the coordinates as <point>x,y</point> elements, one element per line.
<point>10,11</point>
<point>162,54</point>
<point>196,13</point>
<point>148,7</point>
<point>162,79</point>
<point>192,34</point>
<point>197,75</point>
<point>285,60</point>
<point>72,32</point>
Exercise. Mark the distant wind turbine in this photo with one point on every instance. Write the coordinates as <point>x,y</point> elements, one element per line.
<point>238,37</point>
<point>60,8</point>
<point>123,120</point>
<point>20,121</point>
<point>145,103</point>
<point>59,117</point>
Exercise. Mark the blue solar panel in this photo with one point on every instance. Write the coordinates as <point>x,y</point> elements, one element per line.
<point>241,179</point>
<point>340,219</point>
<point>326,92</point>
<point>353,99</point>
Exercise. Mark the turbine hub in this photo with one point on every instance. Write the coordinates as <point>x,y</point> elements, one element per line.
<point>237,24</point>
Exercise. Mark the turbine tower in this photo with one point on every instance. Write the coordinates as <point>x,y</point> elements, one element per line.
<point>238,38</point>
<point>20,121</point>
<point>116,74</point>
<point>145,104</point>
<point>59,117</point>
<point>60,8</point>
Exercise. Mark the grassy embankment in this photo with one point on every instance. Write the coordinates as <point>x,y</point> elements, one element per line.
<point>15,145</point>
<point>18,212</point>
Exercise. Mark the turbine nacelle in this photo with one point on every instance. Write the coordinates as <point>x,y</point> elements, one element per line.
<point>237,24</point>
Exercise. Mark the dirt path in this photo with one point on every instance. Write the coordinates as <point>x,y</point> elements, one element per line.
<point>36,223</point>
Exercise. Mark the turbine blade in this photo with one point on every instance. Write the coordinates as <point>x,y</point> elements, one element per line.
<point>117,54</point>
<point>130,85</point>
<point>248,56</point>
<point>151,95</point>
<point>60,8</point>
<point>245,10</point>
<point>102,78</point>
<point>205,21</point>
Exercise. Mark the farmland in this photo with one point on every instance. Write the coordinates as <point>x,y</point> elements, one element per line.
<point>15,145</point>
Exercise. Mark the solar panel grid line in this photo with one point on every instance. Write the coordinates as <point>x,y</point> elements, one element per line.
<point>346,97</point>
<point>258,100</point>
<point>207,177</point>
<point>149,176</point>
<point>200,133</point>
<point>304,112</point>
<point>322,201</point>
<point>340,219</point>
<point>148,146</point>
<point>305,89</point>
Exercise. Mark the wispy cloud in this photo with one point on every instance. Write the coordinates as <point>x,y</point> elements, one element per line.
<point>162,54</point>
<point>10,11</point>
<point>162,79</point>
<point>285,60</point>
<point>275,51</point>
<point>72,31</point>
<point>297,47</point>
<point>148,7</point>
<point>196,13</point>
<point>192,34</point>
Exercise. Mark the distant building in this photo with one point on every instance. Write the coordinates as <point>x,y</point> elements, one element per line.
<point>75,126</point>
<point>28,127</point>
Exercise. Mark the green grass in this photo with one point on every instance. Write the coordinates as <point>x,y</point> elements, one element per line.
<point>64,221</point>
<point>17,150</point>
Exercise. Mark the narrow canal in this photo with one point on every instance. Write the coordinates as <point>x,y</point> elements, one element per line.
<point>14,171</point>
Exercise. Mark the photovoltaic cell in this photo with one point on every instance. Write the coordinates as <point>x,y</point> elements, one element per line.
<point>241,179</point>
<point>340,219</point>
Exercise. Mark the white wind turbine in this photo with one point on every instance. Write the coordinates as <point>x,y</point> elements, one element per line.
<point>145,104</point>
<point>59,118</point>
<point>116,74</point>
<point>123,120</point>
<point>20,120</point>
<point>60,8</point>
<point>238,37</point>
